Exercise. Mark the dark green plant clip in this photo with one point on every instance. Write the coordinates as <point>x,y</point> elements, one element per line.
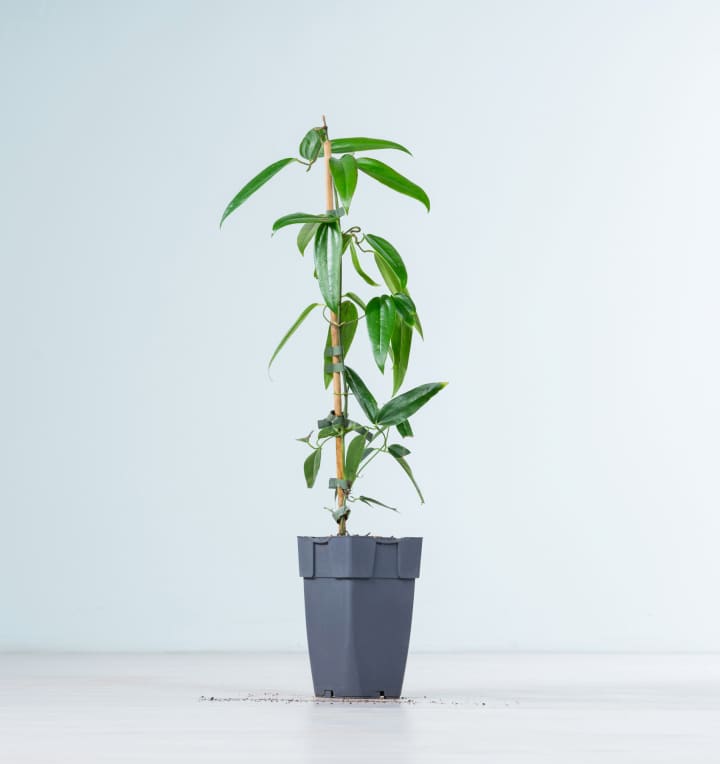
<point>341,512</point>
<point>332,350</point>
<point>336,483</point>
<point>333,421</point>
<point>333,367</point>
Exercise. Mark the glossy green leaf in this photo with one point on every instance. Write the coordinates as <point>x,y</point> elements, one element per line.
<point>404,429</point>
<point>347,145</point>
<point>296,218</point>
<point>344,174</point>
<point>348,327</point>
<point>370,501</point>
<point>405,308</point>
<point>388,275</point>
<point>405,405</point>
<point>363,396</point>
<point>392,179</point>
<point>401,342</point>
<point>380,318</point>
<point>353,456</point>
<point>358,267</point>
<point>357,300</point>
<point>311,467</point>
<point>328,247</point>
<point>305,236</point>
<point>397,450</point>
<point>293,329</point>
<point>252,186</point>
<point>418,326</point>
<point>406,467</point>
<point>311,145</point>
<point>390,257</point>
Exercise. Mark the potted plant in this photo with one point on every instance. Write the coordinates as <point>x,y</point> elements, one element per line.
<point>358,589</point>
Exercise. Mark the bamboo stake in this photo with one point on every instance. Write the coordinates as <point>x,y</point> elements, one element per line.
<point>335,339</point>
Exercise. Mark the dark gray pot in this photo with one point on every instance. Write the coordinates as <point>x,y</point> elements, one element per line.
<point>358,611</point>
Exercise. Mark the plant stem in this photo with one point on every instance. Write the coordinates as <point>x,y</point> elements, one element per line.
<point>335,339</point>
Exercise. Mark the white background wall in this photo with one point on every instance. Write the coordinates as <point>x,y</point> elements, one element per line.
<point>150,486</point>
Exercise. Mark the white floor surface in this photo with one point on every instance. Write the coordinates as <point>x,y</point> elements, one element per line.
<point>80,708</point>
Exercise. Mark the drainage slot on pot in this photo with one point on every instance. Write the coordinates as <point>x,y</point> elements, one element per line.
<point>328,694</point>
<point>381,694</point>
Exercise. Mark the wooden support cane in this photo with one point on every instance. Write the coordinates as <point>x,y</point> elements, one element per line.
<point>335,340</point>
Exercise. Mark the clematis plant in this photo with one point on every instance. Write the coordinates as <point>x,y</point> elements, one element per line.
<point>391,317</point>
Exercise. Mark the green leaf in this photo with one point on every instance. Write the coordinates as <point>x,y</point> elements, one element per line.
<point>369,501</point>
<point>328,248</point>
<point>398,451</point>
<point>311,467</point>
<point>348,327</point>
<point>305,236</point>
<point>418,326</point>
<point>392,179</point>
<point>405,405</point>
<point>404,429</point>
<point>293,329</point>
<point>356,300</point>
<point>406,467</point>
<point>390,257</point>
<point>401,342</point>
<point>346,145</point>
<point>358,267</point>
<point>311,144</point>
<point>405,308</point>
<point>388,276</point>
<point>353,456</point>
<point>251,187</point>
<point>295,218</point>
<point>380,315</point>
<point>363,396</point>
<point>306,439</point>
<point>344,174</point>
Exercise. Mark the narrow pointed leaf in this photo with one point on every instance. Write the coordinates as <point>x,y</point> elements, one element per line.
<point>293,329</point>
<point>363,396</point>
<point>388,275</point>
<point>397,450</point>
<point>369,501</point>
<point>418,327</point>
<point>348,327</point>
<point>296,218</point>
<point>344,173</point>
<point>311,145</point>
<point>380,315</point>
<point>404,429</point>
<point>252,186</point>
<point>357,300</point>
<point>305,236</point>
<point>328,247</point>
<point>391,257</point>
<point>392,179</point>
<point>358,267</point>
<point>405,308</point>
<point>406,467</point>
<point>311,467</point>
<point>401,342</point>
<point>353,456</point>
<point>405,405</point>
<point>346,145</point>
